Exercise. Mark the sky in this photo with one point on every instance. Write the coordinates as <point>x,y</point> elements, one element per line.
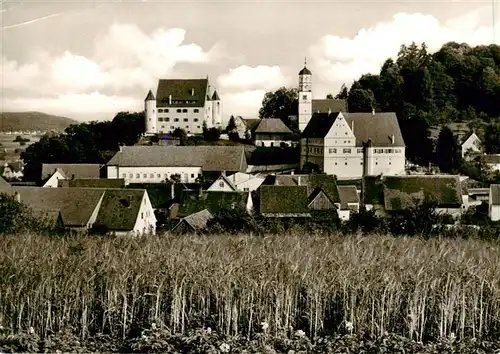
<point>90,59</point>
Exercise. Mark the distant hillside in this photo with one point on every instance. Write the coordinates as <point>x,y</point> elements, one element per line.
<point>22,121</point>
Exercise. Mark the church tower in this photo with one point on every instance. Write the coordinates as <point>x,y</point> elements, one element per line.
<point>216,110</point>
<point>305,97</point>
<point>150,114</point>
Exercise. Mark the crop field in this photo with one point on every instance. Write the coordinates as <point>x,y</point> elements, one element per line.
<point>245,287</point>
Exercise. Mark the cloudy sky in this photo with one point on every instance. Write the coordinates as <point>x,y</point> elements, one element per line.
<point>90,59</point>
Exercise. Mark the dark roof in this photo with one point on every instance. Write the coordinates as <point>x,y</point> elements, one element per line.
<point>92,183</point>
<point>313,182</point>
<point>76,204</point>
<point>400,192</point>
<point>378,127</point>
<point>329,105</point>
<point>272,125</point>
<point>283,200</point>
<point>215,96</point>
<point>212,201</point>
<point>347,195</point>
<point>209,158</point>
<point>120,208</point>
<point>181,91</point>
<point>495,194</point>
<point>82,170</point>
<point>251,123</point>
<point>150,96</point>
<point>196,221</point>
<point>160,194</point>
<point>305,71</point>
<point>51,216</point>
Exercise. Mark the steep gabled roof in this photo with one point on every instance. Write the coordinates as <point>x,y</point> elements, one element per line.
<point>120,208</point>
<point>319,125</point>
<point>78,170</point>
<point>181,92</point>
<point>273,126</point>
<point>215,96</point>
<point>283,200</point>
<point>400,192</point>
<point>150,96</point>
<point>197,221</point>
<point>251,123</point>
<point>224,178</point>
<point>209,158</point>
<point>495,194</point>
<point>212,201</point>
<point>76,204</point>
<point>329,105</point>
<point>378,127</point>
<point>347,195</point>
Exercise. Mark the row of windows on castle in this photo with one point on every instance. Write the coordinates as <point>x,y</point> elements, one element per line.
<point>349,151</point>
<point>179,110</point>
<point>185,176</point>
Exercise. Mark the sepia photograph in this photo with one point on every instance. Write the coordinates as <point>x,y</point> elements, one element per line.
<point>250,176</point>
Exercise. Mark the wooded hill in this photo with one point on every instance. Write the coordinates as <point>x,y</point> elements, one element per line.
<point>24,121</point>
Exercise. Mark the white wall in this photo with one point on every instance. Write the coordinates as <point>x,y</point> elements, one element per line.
<point>146,219</point>
<point>187,119</point>
<point>343,214</point>
<point>153,174</point>
<point>388,160</point>
<point>250,185</point>
<point>52,182</point>
<point>220,186</point>
<point>494,212</point>
<point>473,144</point>
<point>270,140</point>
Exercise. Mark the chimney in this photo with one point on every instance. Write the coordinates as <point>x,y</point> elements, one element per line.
<point>169,99</point>
<point>172,191</point>
<point>192,92</point>
<point>392,139</point>
<point>292,173</point>
<point>17,197</point>
<point>223,173</point>
<point>329,111</point>
<point>200,191</point>
<point>373,111</point>
<point>120,147</point>
<point>298,180</point>
<point>129,201</point>
<point>352,126</point>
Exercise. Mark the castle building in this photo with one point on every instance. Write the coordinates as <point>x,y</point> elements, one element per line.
<point>308,105</point>
<point>185,104</point>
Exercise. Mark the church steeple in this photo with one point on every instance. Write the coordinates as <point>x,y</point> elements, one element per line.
<point>305,97</point>
<point>305,70</point>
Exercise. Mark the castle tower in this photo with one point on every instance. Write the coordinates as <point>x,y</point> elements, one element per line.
<point>150,114</point>
<point>216,110</point>
<point>305,97</point>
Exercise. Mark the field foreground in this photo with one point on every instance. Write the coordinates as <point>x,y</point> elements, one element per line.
<point>296,288</point>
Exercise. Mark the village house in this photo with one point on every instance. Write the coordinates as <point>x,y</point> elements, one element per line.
<point>52,173</point>
<point>12,170</point>
<point>352,145</point>
<point>245,126</point>
<point>308,106</point>
<point>186,104</point>
<point>494,202</point>
<point>272,132</point>
<point>242,182</point>
<point>392,194</point>
<point>349,201</point>
<point>157,164</point>
<point>470,145</point>
<point>117,211</point>
<point>193,223</point>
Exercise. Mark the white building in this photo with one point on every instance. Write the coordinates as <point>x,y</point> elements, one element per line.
<point>185,104</point>
<point>494,202</point>
<point>471,145</point>
<point>352,145</point>
<point>238,182</point>
<point>157,163</point>
<point>308,106</point>
<point>272,132</point>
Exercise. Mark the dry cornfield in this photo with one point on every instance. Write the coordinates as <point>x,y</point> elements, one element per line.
<point>376,284</point>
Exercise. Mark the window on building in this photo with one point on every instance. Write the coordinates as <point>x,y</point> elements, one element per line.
<point>196,119</point>
<point>166,110</point>
<point>179,110</point>
<point>138,175</point>
<point>130,175</point>
<point>346,163</point>
<point>198,127</point>
<point>167,119</point>
<point>187,126</point>
<point>186,120</point>
<point>142,215</point>
<point>246,189</point>
<point>145,175</point>
<point>346,151</point>
<point>376,163</point>
<point>176,119</point>
<point>124,175</point>
<point>304,97</point>
<point>389,163</point>
<point>160,110</point>
<point>388,151</point>
<point>332,151</point>
<point>196,110</point>
<point>361,163</point>
<point>160,119</point>
<point>172,127</point>
<point>151,175</point>
<point>335,164</point>
<point>272,144</point>
<point>158,175</point>
<point>345,133</point>
<point>184,110</point>
<point>378,151</point>
<point>189,131</point>
<point>360,151</point>
<point>221,184</point>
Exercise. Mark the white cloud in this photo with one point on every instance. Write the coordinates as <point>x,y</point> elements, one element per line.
<point>258,77</point>
<point>126,59</point>
<point>340,59</point>
<point>244,103</point>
